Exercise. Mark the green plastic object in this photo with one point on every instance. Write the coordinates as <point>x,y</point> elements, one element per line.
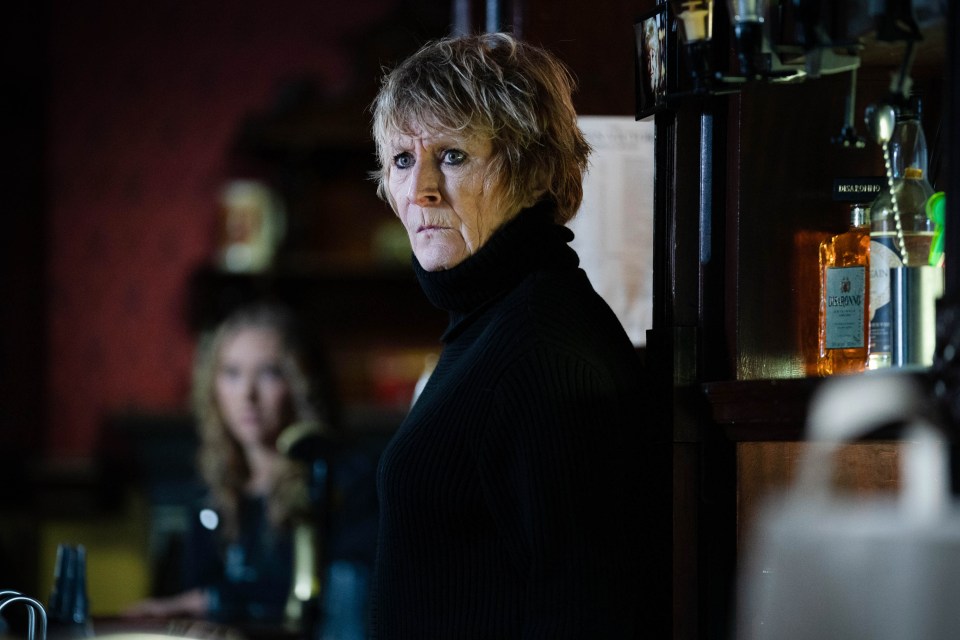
<point>936,211</point>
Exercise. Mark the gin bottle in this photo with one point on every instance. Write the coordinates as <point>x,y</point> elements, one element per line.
<point>844,297</point>
<point>901,233</point>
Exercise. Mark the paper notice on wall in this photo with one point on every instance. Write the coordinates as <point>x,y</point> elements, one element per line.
<point>614,228</point>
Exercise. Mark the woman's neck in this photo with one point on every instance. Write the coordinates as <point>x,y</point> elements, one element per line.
<point>262,462</point>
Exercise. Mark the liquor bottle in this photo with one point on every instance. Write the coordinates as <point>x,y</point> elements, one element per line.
<point>844,297</point>
<point>68,612</point>
<point>901,232</point>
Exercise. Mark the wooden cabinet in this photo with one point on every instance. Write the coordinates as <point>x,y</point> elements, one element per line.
<point>743,197</point>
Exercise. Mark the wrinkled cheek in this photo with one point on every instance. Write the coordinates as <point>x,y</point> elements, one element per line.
<point>394,197</point>
<point>393,206</point>
<point>407,221</point>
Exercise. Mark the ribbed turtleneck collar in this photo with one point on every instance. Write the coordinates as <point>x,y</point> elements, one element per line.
<point>532,240</point>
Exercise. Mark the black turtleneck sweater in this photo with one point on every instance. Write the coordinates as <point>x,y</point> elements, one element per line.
<point>508,496</point>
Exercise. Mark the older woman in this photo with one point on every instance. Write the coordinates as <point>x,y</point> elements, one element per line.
<point>507,496</point>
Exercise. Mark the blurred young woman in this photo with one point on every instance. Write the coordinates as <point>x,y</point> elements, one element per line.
<point>252,381</point>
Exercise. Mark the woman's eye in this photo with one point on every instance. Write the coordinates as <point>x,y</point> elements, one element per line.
<point>403,160</point>
<point>454,156</point>
<point>272,373</point>
<point>228,372</point>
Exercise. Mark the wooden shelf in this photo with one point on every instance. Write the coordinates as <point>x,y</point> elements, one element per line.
<point>378,304</point>
<point>773,410</point>
<point>760,410</point>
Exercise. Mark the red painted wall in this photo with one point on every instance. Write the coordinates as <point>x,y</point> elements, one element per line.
<point>144,99</point>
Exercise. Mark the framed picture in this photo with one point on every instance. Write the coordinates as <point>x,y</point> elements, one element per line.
<point>652,47</point>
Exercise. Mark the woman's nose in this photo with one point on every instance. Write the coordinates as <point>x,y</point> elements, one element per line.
<point>425,186</point>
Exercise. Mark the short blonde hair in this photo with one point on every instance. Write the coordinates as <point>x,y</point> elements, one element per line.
<point>494,86</point>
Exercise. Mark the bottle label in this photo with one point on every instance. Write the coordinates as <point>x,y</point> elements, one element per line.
<point>883,257</point>
<point>846,287</point>
<point>858,189</point>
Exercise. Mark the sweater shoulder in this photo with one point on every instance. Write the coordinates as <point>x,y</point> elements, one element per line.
<point>556,322</point>
<point>562,307</point>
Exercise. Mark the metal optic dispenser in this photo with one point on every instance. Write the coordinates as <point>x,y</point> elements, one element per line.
<point>780,41</point>
<point>35,611</point>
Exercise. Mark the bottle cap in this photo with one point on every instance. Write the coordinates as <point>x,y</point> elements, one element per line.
<point>859,215</point>
<point>911,108</point>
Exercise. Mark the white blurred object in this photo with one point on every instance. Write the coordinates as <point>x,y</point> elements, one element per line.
<point>614,226</point>
<point>429,364</point>
<point>820,565</point>
<point>252,224</point>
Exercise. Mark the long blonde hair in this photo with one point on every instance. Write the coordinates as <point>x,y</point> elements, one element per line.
<point>220,458</point>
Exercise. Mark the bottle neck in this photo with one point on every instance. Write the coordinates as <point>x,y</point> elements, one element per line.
<point>908,150</point>
<point>859,215</point>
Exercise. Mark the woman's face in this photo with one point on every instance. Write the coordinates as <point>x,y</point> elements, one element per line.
<point>437,183</point>
<point>653,55</point>
<point>252,392</point>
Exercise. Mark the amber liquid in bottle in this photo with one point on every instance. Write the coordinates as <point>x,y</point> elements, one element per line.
<point>844,320</point>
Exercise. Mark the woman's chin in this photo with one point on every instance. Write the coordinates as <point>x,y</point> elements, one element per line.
<point>435,261</point>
